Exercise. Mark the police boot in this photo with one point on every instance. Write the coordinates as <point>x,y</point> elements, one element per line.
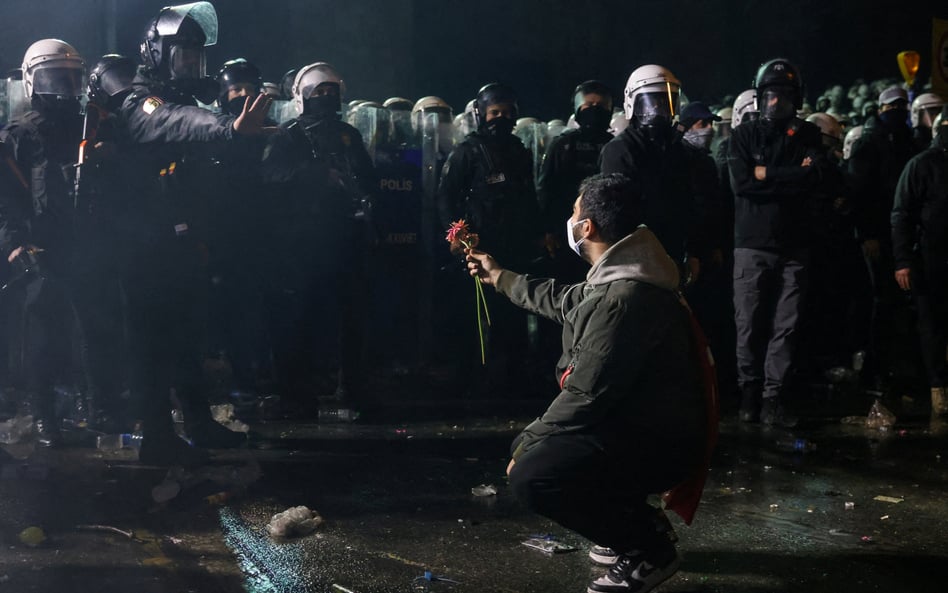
<point>750,402</point>
<point>772,413</point>
<point>939,401</point>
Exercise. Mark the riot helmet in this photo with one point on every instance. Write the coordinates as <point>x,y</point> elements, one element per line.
<point>849,141</point>
<point>830,129</point>
<point>925,108</point>
<point>779,89</point>
<point>652,97</point>
<point>239,76</point>
<point>745,108</point>
<point>286,85</point>
<point>722,128</point>
<point>489,105</point>
<point>175,40</point>
<point>941,122</point>
<point>555,127</point>
<point>111,80</point>
<point>272,90</point>
<point>592,105</point>
<point>430,107</point>
<point>619,123</point>
<point>398,104</point>
<point>318,90</point>
<point>53,70</point>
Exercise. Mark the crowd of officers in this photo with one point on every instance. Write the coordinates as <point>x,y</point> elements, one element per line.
<point>173,215</point>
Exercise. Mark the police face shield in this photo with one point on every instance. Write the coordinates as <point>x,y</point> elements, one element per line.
<point>174,20</point>
<point>776,103</point>
<point>59,82</point>
<point>655,108</point>
<point>187,62</point>
<point>373,124</point>
<point>402,130</point>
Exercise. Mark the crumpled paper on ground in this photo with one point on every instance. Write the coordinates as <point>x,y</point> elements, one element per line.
<point>295,521</point>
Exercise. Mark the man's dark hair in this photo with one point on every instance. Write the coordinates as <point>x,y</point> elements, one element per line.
<point>613,203</point>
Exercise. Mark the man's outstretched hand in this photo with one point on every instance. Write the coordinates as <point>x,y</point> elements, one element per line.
<point>251,119</point>
<point>483,266</point>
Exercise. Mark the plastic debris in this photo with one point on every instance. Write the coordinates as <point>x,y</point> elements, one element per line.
<point>224,414</point>
<point>867,539</point>
<point>879,417</point>
<point>32,536</point>
<point>295,521</point>
<point>774,507</point>
<point>849,506</point>
<point>548,545</point>
<point>16,429</point>
<point>884,518</point>
<point>117,442</point>
<point>340,589</point>
<point>484,490</point>
<point>892,499</point>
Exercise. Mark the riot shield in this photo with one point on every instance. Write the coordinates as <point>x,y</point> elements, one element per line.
<point>282,111</point>
<point>533,136</point>
<point>374,125</point>
<point>399,260</point>
<point>13,99</point>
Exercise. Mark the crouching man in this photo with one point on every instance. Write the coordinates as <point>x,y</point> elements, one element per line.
<point>630,418</point>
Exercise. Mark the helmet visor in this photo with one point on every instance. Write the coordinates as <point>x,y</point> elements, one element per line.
<point>62,82</point>
<point>187,62</point>
<point>777,102</point>
<point>656,105</point>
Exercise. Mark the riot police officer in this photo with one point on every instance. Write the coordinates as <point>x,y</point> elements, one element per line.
<point>102,190</point>
<point>573,156</point>
<point>37,219</point>
<point>650,153</point>
<point>488,181</point>
<point>775,163</point>
<point>234,186</point>
<point>322,180</point>
<point>165,282</point>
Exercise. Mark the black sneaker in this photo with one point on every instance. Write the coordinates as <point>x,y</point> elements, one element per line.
<point>772,413</point>
<point>635,573</point>
<point>603,556</point>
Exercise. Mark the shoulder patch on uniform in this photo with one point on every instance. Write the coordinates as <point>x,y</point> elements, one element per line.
<point>150,104</point>
<point>346,140</point>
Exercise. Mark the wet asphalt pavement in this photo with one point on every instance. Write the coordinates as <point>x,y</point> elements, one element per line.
<point>397,502</point>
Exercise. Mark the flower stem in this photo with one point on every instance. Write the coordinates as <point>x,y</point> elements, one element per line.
<point>480,327</point>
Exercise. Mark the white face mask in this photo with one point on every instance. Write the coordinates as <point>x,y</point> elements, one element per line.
<point>573,243</point>
<point>700,138</point>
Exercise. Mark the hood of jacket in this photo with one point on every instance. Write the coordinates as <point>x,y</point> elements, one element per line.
<point>640,257</point>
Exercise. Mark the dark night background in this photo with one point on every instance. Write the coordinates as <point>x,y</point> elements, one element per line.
<point>543,47</point>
